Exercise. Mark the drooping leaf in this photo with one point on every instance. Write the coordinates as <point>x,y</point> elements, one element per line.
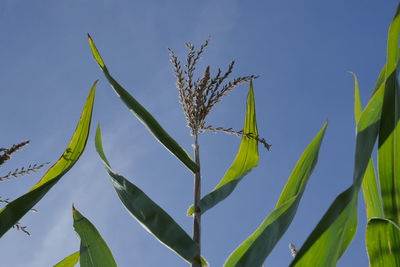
<point>94,251</point>
<point>13,212</point>
<point>246,159</point>
<point>69,261</point>
<point>331,237</point>
<point>372,198</point>
<point>143,115</point>
<point>254,250</point>
<point>383,243</point>
<point>149,214</point>
<point>389,133</point>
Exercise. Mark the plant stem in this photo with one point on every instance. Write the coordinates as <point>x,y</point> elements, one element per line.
<point>197,193</point>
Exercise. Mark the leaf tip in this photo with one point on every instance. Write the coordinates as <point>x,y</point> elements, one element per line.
<point>96,53</point>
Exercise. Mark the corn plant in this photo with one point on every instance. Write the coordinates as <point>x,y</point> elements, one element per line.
<point>336,229</point>
<point>198,98</point>
<point>376,123</point>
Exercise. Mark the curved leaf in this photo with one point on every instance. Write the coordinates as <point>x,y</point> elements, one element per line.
<point>254,250</point>
<point>143,115</point>
<point>383,243</point>
<point>69,261</point>
<point>246,159</point>
<point>13,212</point>
<point>149,214</point>
<point>94,251</point>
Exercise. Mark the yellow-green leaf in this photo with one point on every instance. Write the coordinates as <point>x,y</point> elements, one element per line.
<point>144,116</point>
<point>333,234</point>
<point>372,198</point>
<point>94,251</point>
<point>13,212</point>
<point>246,159</point>
<point>69,261</point>
<point>254,250</point>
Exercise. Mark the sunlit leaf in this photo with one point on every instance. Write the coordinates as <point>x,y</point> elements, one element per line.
<point>149,214</point>
<point>245,160</point>
<point>372,198</point>
<point>389,133</point>
<point>383,243</point>
<point>13,212</point>
<point>144,116</point>
<point>69,261</point>
<point>254,250</point>
<point>94,251</point>
<point>333,234</point>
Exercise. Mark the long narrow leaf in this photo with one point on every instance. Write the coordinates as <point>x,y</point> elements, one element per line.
<point>149,214</point>
<point>13,212</point>
<point>383,243</point>
<point>334,232</point>
<point>372,198</point>
<point>143,115</point>
<point>331,237</point>
<point>94,251</point>
<point>246,159</point>
<point>69,261</point>
<point>389,133</point>
<point>254,250</point>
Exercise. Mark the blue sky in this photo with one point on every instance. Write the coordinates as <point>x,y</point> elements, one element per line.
<point>302,51</point>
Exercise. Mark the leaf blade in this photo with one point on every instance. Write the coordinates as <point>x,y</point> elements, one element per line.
<point>245,160</point>
<point>383,242</point>
<point>69,261</point>
<point>13,212</point>
<point>143,115</point>
<point>151,216</point>
<point>389,133</point>
<point>372,198</point>
<point>254,250</point>
<point>324,246</point>
<point>94,251</point>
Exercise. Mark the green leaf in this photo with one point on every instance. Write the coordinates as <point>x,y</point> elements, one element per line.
<point>69,261</point>
<point>389,133</point>
<point>13,212</point>
<point>254,250</point>
<point>94,251</point>
<point>246,159</point>
<point>149,214</point>
<point>334,232</point>
<point>143,115</point>
<point>372,198</point>
<point>331,237</point>
<point>383,243</point>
